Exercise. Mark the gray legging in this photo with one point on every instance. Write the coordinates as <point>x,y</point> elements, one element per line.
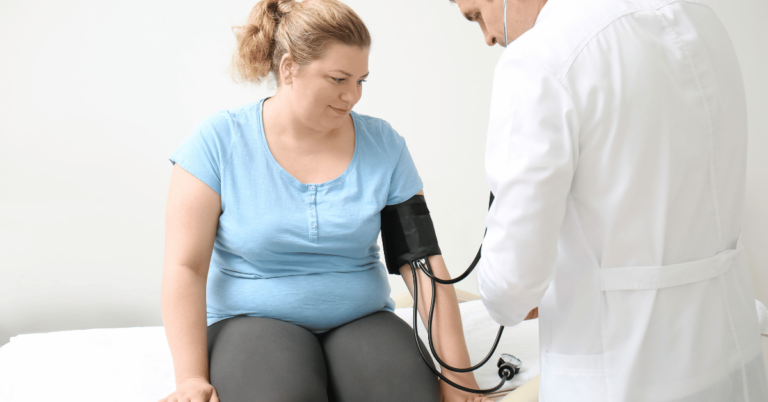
<point>370,359</point>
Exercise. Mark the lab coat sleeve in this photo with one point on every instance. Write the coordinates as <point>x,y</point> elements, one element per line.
<point>531,154</point>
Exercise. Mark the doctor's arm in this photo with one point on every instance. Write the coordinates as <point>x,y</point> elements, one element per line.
<point>531,156</point>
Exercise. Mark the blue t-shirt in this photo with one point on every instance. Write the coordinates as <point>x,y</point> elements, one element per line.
<point>301,253</point>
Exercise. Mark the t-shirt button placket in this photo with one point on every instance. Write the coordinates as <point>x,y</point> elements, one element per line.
<point>312,214</point>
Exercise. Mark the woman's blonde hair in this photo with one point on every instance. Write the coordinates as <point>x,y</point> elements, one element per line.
<point>302,29</point>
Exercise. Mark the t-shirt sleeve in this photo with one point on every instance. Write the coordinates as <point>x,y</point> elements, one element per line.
<point>405,181</point>
<point>205,152</point>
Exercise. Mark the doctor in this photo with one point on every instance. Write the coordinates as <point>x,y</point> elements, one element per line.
<point>616,151</point>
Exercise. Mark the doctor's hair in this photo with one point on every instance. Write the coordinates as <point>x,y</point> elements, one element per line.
<point>304,30</point>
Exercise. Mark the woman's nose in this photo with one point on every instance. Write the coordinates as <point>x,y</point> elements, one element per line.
<point>350,95</point>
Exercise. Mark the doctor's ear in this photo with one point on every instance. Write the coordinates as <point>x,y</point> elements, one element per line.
<point>288,69</point>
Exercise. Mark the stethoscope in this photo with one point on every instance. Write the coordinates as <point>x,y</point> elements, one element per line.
<point>508,365</point>
<point>505,24</point>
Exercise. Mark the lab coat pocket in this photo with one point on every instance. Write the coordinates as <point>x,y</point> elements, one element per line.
<point>572,377</point>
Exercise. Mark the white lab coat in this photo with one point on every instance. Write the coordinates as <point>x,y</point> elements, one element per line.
<point>616,151</point>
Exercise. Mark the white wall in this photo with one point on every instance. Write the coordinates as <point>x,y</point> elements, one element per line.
<point>95,95</point>
<point>746,23</point>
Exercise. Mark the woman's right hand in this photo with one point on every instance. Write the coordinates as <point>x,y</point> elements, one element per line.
<point>193,390</point>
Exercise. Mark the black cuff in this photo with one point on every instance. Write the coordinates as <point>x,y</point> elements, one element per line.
<point>407,233</point>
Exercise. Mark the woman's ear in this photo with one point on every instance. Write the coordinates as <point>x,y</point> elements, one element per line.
<point>287,69</point>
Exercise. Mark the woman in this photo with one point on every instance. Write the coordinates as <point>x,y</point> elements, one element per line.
<point>281,199</point>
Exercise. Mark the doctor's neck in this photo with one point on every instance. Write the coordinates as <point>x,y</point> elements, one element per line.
<point>522,16</point>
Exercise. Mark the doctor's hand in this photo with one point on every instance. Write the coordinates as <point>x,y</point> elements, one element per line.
<point>533,314</point>
<point>451,394</point>
<point>193,390</point>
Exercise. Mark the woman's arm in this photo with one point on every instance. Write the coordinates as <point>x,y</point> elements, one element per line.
<point>192,215</point>
<point>447,331</point>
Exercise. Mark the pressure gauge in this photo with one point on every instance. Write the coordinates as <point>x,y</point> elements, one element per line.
<point>508,366</point>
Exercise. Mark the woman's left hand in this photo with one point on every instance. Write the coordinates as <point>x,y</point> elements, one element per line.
<point>451,394</point>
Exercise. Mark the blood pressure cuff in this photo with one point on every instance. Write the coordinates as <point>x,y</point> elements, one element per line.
<point>407,233</point>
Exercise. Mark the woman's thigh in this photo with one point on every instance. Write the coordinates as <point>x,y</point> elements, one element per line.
<point>260,359</point>
<point>375,359</point>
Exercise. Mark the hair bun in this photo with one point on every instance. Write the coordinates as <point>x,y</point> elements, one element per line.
<point>282,7</point>
<point>271,32</point>
<point>252,30</point>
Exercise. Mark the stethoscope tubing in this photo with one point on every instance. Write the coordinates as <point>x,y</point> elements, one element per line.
<point>421,352</point>
<point>426,268</point>
<point>458,278</point>
<point>429,332</point>
<point>469,269</point>
<point>506,43</point>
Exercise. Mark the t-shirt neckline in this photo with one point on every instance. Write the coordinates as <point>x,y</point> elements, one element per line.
<point>288,176</point>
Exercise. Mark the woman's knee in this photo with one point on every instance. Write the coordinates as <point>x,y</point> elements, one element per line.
<point>261,359</point>
<point>375,358</point>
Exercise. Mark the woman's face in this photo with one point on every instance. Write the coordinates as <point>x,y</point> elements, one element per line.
<point>326,90</point>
